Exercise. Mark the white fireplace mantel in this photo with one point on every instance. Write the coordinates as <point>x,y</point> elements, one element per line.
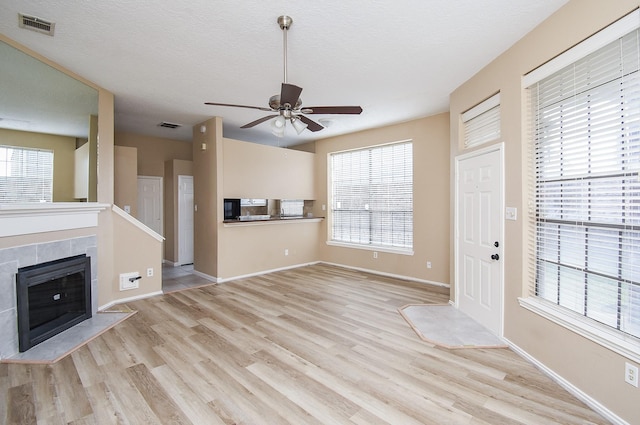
<point>23,219</point>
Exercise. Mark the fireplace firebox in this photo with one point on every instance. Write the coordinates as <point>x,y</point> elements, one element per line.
<point>52,297</point>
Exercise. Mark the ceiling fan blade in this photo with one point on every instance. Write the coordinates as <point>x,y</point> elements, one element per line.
<point>239,106</point>
<point>311,125</point>
<point>332,110</point>
<point>258,121</point>
<point>289,94</point>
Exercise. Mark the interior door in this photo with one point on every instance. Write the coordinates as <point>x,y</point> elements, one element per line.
<point>479,238</point>
<point>150,202</point>
<point>185,220</point>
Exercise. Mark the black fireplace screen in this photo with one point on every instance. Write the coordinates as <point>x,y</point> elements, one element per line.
<point>52,297</point>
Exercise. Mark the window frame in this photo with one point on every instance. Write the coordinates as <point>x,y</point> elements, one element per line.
<point>618,341</point>
<point>406,250</point>
<point>26,172</point>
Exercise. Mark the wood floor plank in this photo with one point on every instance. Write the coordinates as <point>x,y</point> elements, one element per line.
<point>314,345</point>
<point>155,395</point>
<point>21,405</point>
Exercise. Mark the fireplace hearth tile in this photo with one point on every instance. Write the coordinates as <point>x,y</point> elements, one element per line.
<point>63,344</point>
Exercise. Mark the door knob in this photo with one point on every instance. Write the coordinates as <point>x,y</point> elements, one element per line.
<point>495,257</point>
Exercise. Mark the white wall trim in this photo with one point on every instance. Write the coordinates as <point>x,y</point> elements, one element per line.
<point>572,389</point>
<point>140,225</point>
<point>129,299</point>
<point>396,276</point>
<point>295,266</point>
<point>206,276</point>
<point>24,219</point>
<point>614,340</point>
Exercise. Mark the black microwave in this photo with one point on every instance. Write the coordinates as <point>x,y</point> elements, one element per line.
<point>231,209</point>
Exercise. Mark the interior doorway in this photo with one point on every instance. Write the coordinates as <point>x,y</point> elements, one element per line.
<point>185,220</point>
<point>479,236</point>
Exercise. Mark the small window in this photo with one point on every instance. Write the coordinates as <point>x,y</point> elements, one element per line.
<point>26,175</point>
<point>482,122</point>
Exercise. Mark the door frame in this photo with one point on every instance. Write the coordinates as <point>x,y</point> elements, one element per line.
<point>161,194</point>
<point>499,147</point>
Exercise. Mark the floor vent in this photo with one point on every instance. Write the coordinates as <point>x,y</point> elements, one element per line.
<point>169,125</point>
<point>35,24</point>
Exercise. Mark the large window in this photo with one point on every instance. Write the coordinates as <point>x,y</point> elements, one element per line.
<point>586,163</point>
<point>26,175</point>
<point>372,196</point>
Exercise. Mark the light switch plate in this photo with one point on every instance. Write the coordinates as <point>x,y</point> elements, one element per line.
<point>511,213</point>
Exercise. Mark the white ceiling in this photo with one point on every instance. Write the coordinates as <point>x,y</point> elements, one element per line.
<point>397,59</point>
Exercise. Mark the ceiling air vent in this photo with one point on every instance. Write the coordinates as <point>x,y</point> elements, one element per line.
<point>169,125</point>
<point>36,24</point>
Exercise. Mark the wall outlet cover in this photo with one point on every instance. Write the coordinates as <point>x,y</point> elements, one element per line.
<point>129,281</point>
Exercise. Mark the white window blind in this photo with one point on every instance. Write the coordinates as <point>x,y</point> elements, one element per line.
<point>26,175</point>
<point>482,122</point>
<point>586,163</point>
<point>372,196</point>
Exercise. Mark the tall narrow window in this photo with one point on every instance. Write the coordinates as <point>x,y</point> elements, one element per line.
<point>482,122</point>
<point>26,175</point>
<point>586,165</point>
<point>372,196</point>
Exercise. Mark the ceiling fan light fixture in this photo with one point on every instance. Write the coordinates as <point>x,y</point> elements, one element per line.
<point>277,126</point>
<point>298,125</point>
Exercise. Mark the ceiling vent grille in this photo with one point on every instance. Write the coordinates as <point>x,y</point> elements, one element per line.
<point>169,125</point>
<point>36,24</point>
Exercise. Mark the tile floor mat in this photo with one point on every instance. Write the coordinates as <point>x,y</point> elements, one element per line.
<point>446,326</point>
<point>64,343</point>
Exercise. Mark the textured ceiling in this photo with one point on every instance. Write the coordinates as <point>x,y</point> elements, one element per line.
<point>397,59</point>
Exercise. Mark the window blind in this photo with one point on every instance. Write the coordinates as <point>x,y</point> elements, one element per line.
<point>26,175</point>
<point>372,196</point>
<point>482,122</point>
<point>586,163</point>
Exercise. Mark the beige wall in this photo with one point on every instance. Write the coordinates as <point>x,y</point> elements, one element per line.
<point>154,151</point>
<point>63,148</point>
<point>126,178</point>
<point>173,169</point>
<point>207,193</point>
<point>431,199</point>
<point>258,171</point>
<point>231,168</point>
<point>593,369</point>
<point>135,252</point>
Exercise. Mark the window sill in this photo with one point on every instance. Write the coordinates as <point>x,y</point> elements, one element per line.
<point>399,251</point>
<point>625,345</point>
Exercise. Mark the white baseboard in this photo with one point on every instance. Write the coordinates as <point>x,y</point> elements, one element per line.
<point>575,391</point>
<point>171,263</point>
<point>129,299</point>
<point>395,276</point>
<point>206,276</point>
<point>221,280</point>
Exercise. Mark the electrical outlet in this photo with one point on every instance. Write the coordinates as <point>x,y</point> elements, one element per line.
<point>428,264</point>
<point>375,254</point>
<point>631,374</point>
<point>150,272</point>
<point>286,252</point>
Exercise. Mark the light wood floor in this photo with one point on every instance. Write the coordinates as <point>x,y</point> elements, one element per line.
<point>314,345</point>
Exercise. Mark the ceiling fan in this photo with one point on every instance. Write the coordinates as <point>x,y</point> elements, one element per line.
<point>287,106</point>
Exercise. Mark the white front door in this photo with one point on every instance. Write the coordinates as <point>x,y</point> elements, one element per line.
<point>185,220</point>
<point>150,202</point>
<point>479,235</point>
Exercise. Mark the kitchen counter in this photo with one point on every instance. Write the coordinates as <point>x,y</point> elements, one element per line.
<point>266,219</point>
